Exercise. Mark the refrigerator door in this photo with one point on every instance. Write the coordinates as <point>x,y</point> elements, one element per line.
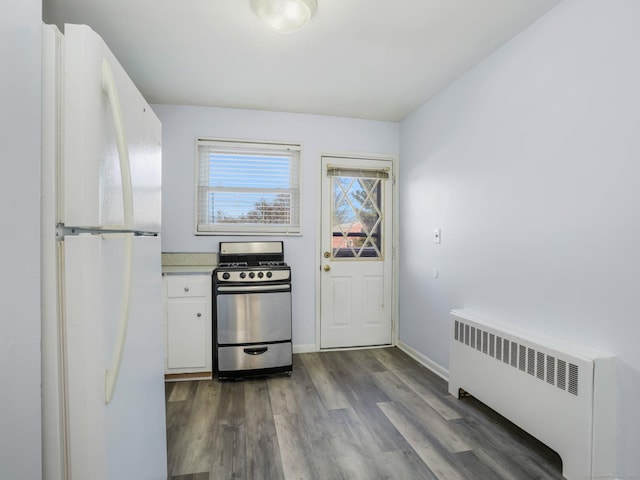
<point>125,438</point>
<point>107,125</point>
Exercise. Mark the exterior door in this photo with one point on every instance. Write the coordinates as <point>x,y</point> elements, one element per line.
<point>356,267</point>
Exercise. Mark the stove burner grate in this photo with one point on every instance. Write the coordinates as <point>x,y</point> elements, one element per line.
<point>272,263</point>
<point>233,264</point>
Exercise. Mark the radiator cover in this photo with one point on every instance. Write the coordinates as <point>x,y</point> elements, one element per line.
<point>561,394</point>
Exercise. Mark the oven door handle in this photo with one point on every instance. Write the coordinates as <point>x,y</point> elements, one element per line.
<point>256,351</point>
<point>254,288</point>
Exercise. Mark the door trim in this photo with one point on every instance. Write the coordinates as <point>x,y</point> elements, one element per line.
<point>394,247</point>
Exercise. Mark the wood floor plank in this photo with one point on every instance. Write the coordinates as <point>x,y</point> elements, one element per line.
<point>358,457</point>
<point>177,417</point>
<point>231,403</point>
<point>191,476</point>
<point>358,387</point>
<point>365,361</point>
<point>337,361</point>
<point>347,424</point>
<point>229,450</point>
<point>421,411</point>
<point>412,379</point>
<point>436,461</point>
<point>474,468</point>
<point>364,394</point>
<point>181,391</point>
<point>403,465</point>
<point>282,394</point>
<point>294,449</point>
<point>393,358</point>
<point>306,455</point>
<point>195,447</point>
<point>352,461</point>
<point>168,388</point>
<point>296,394</point>
<point>501,471</point>
<point>330,393</point>
<point>263,452</point>
<point>381,431</point>
<point>285,391</point>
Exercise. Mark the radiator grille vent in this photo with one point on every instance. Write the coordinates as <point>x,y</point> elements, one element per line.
<point>551,370</point>
<point>540,365</point>
<point>573,379</point>
<point>562,374</point>
<point>531,361</point>
<point>554,371</point>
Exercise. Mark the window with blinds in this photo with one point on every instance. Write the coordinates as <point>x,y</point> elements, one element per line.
<point>247,188</point>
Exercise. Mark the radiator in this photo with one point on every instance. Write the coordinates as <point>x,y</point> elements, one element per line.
<point>562,395</point>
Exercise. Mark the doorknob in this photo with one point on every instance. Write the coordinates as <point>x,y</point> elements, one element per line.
<point>326,268</point>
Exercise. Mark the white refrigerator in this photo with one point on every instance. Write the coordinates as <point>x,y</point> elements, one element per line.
<point>102,332</point>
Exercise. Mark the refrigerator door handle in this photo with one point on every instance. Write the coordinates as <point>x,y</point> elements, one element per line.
<point>109,88</point>
<point>123,324</point>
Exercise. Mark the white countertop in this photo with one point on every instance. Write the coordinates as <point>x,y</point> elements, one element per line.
<point>188,263</point>
<point>187,270</point>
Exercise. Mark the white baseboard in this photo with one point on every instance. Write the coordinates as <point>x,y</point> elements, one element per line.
<point>305,348</point>
<point>424,360</point>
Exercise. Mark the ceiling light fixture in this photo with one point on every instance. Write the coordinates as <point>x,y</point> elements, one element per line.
<point>285,16</point>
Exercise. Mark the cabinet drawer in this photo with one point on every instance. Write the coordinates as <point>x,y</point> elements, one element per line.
<point>188,286</point>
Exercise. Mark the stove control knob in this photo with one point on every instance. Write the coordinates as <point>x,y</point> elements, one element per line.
<point>251,275</point>
<point>226,275</point>
<point>243,274</point>
<point>269,274</point>
<point>260,274</point>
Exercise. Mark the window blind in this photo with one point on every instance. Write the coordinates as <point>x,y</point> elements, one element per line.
<point>247,188</point>
<point>381,173</point>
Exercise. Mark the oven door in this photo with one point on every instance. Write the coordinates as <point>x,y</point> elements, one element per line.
<point>253,314</point>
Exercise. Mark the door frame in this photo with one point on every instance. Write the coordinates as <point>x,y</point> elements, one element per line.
<point>394,239</point>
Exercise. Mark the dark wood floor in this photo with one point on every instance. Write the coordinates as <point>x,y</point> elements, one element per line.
<point>363,414</point>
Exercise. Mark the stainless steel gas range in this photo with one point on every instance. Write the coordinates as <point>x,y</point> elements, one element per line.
<point>252,310</point>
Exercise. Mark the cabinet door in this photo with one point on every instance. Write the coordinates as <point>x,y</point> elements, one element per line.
<point>187,333</point>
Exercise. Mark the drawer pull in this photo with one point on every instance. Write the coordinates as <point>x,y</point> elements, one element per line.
<point>186,289</point>
<point>198,314</point>
<point>255,351</point>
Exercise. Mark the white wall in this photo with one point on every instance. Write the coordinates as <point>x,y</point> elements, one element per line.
<point>318,134</point>
<point>20,250</point>
<point>530,165</point>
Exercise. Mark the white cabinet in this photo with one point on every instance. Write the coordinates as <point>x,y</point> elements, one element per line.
<point>187,316</point>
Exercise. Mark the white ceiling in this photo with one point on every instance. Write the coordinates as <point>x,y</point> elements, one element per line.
<point>373,59</point>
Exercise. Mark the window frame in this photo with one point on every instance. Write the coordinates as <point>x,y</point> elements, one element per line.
<point>240,146</point>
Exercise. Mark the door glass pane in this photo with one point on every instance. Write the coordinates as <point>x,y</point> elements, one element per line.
<point>356,217</point>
